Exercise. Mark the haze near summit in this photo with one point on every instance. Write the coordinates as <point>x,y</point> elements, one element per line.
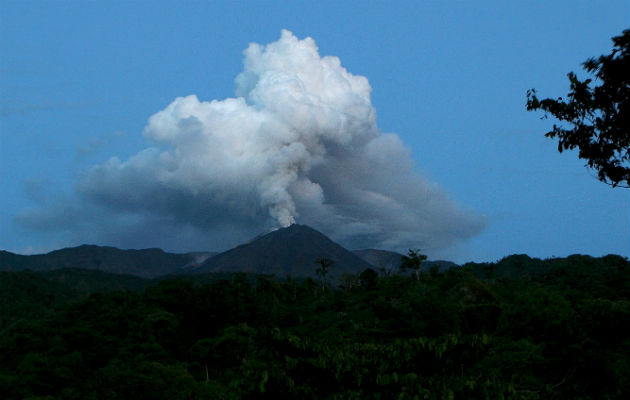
<point>299,142</point>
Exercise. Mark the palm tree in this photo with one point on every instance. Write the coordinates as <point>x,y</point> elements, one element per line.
<point>322,271</point>
<point>413,260</point>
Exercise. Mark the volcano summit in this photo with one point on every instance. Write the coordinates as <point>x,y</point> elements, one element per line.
<point>287,251</point>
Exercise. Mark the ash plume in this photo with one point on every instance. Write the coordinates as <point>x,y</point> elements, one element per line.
<point>298,142</point>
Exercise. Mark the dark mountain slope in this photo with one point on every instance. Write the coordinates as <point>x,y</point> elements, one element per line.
<point>288,251</point>
<point>389,260</point>
<point>147,263</point>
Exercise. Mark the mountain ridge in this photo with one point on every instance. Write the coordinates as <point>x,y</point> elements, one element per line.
<point>146,263</point>
<point>292,251</point>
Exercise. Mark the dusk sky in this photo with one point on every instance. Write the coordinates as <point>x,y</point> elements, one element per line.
<point>383,124</point>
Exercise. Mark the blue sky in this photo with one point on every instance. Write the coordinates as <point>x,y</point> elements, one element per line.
<point>79,81</point>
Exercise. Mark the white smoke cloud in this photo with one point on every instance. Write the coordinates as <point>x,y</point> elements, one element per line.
<point>299,142</point>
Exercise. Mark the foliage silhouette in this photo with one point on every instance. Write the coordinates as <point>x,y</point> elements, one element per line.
<point>322,270</point>
<point>537,329</point>
<point>413,261</point>
<point>599,116</point>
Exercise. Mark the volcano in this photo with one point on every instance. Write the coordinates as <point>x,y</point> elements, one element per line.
<point>291,251</point>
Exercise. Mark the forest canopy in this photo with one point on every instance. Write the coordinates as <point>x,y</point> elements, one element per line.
<point>521,328</point>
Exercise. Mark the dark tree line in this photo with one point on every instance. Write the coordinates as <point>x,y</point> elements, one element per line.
<point>522,328</point>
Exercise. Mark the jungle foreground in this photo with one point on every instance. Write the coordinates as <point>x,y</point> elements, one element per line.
<point>520,328</point>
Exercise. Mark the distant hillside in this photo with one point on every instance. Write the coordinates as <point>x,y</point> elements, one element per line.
<point>288,251</point>
<point>147,263</point>
<point>442,265</point>
<point>390,260</point>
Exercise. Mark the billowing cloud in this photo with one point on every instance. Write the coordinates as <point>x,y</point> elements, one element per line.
<point>299,142</point>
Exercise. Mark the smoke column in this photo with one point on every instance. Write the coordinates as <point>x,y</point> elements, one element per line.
<point>298,142</point>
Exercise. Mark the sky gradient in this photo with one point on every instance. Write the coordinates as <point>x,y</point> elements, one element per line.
<point>79,82</point>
